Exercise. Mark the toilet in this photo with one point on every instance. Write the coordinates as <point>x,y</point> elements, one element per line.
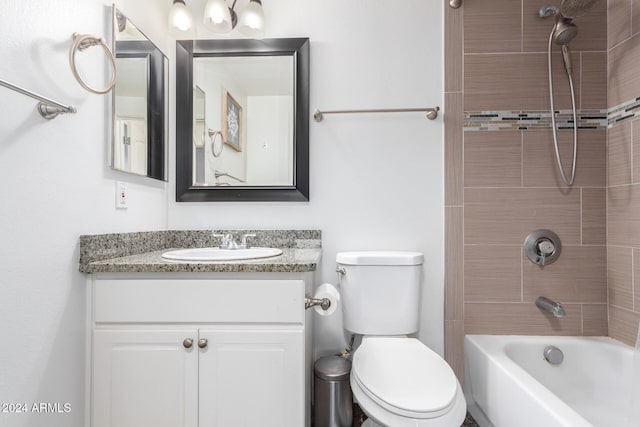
<point>396,380</point>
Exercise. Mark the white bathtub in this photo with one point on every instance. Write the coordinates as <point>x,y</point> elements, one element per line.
<point>508,383</point>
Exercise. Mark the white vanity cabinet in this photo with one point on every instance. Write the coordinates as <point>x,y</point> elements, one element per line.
<point>201,349</point>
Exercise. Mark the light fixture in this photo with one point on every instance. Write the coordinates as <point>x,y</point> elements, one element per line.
<point>252,20</point>
<point>220,18</point>
<point>181,24</point>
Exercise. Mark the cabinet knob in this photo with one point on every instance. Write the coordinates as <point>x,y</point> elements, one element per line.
<point>203,342</point>
<point>187,343</point>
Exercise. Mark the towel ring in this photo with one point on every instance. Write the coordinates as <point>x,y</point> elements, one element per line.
<point>85,41</point>
<point>212,135</point>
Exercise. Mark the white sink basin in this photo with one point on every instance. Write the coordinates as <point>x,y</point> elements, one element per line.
<point>217,254</point>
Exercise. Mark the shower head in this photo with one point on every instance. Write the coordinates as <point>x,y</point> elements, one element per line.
<point>564,31</point>
<point>575,8</point>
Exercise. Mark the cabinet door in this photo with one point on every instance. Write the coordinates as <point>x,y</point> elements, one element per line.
<point>252,378</point>
<point>144,378</point>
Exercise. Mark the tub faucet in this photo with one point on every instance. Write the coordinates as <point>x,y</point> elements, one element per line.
<point>551,306</point>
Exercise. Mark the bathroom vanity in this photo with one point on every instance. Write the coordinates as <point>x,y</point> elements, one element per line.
<point>201,343</point>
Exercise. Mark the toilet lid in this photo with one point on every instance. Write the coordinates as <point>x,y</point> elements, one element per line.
<point>405,374</point>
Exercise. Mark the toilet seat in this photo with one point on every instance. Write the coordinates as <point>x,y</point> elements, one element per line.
<point>404,377</point>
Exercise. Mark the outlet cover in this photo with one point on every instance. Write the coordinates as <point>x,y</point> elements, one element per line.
<point>121,195</point>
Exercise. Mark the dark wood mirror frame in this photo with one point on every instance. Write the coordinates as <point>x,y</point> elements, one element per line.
<point>186,51</point>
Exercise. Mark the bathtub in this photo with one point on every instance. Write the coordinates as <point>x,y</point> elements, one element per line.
<point>508,383</point>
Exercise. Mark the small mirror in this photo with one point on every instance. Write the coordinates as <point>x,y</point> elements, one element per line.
<point>242,120</point>
<point>140,104</point>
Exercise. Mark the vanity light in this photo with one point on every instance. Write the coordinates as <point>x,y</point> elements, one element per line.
<point>220,18</point>
<point>252,20</point>
<point>181,24</point>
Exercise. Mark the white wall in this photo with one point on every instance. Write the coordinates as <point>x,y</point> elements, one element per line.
<point>56,185</point>
<point>269,140</point>
<point>376,180</point>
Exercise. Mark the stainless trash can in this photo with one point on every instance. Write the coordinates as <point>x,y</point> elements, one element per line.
<point>333,404</point>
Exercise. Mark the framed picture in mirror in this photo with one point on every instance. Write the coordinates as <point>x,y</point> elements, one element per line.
<point>231,121</point>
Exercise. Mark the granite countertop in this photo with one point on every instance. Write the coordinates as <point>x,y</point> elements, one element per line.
<point>291,260</point>
<point>142,252</point>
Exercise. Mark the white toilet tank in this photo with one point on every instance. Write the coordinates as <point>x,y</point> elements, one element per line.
<point>380,291</point>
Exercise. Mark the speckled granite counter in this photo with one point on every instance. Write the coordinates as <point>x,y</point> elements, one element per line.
<point>142,252</point>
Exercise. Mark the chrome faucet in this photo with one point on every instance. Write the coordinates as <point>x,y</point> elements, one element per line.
<point>551,306</point>
<point>229,242</point>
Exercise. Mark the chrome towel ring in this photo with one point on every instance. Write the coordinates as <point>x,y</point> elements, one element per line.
<point>85,41</point>
<point>212,135</point>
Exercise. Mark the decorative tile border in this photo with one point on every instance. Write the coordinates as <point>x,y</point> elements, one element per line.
<point>625,111</point>
<point>532,120</point>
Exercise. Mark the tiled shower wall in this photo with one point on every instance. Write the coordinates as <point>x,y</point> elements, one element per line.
<point>623,198</point>
<point>502,184</point>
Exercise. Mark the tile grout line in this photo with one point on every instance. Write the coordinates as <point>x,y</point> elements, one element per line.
<point>581,71</point>
<point>542,52</point>
<point>522,26</point>
<point>581,216</point>
<point>521,275</point>
<point>513,245</point>
<point>633,257</point>
<point>463,86</point>
<point>521,159</point>
<point>631,19</point>
<point>631,152</point>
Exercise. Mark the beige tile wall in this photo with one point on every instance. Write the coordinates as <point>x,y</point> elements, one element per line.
<point>501,185</point>
<point>623,174</point>
<point>453,192</point>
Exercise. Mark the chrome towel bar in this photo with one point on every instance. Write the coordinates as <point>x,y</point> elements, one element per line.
<point>432,113</point>
<point>48,108</point>
<point>219,173</point>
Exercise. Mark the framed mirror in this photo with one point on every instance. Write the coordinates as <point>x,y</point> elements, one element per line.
<point>242,120</point>
<point>139,104</point>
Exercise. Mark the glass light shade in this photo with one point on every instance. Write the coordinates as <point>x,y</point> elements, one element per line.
<point>217,16</point>
<point>181,24</point>
<point>251,21</point>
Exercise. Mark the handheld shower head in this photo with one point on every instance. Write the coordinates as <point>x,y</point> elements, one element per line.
<point>564,31</point>
<point>566,59</point>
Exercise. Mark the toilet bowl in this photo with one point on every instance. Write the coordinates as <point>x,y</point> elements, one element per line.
<point>398,382</point>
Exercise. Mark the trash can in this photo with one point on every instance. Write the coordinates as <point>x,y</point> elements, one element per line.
<point>333,404</point>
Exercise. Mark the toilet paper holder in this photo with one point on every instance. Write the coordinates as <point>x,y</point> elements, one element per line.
<point>324,303</point>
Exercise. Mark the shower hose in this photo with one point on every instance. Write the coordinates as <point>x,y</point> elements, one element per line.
<point>568,182</point>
